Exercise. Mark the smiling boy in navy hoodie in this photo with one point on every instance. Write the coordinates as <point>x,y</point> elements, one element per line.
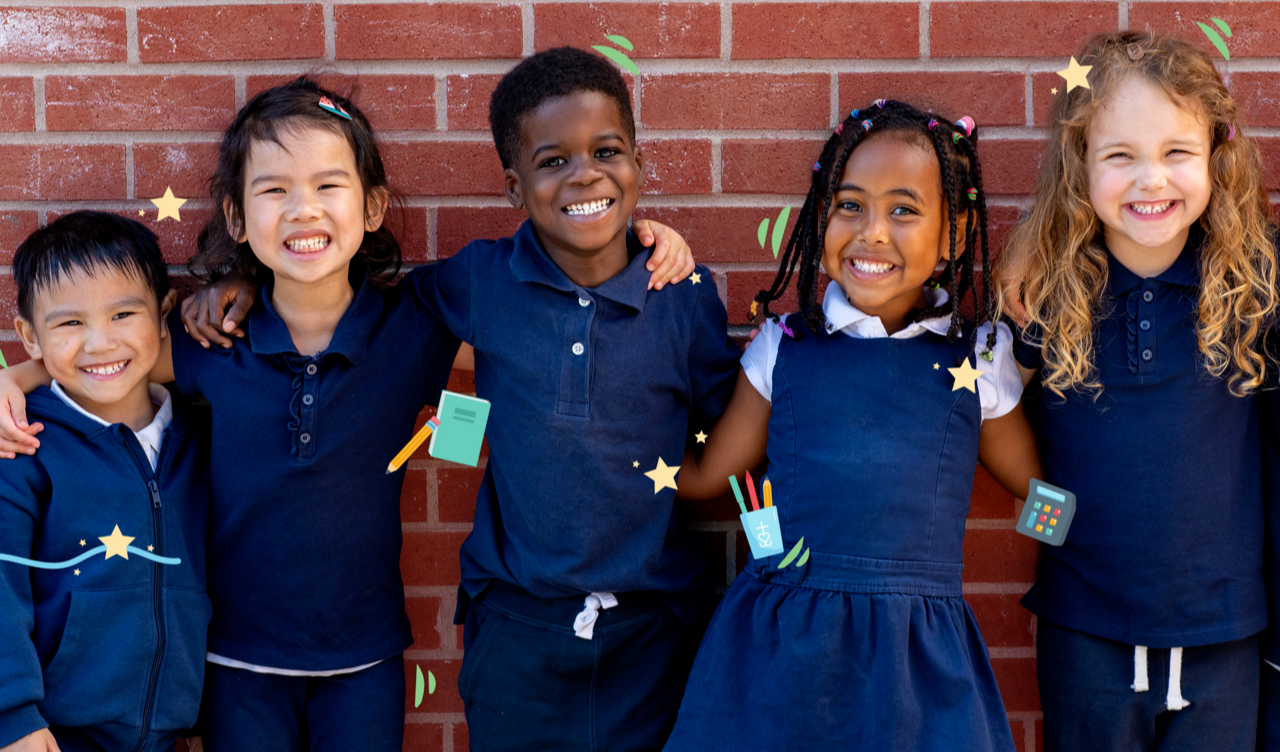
<point>105,651</point>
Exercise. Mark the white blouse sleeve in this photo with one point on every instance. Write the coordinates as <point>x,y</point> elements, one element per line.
<point>1000,387</point>
<point>761,354</point>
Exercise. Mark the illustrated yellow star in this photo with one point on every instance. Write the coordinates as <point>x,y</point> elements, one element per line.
<point>663,476</point>
<point>117,544</point>
<point>701,437</point>
<point>77,573</point>
<point>1054,90</point>
<point>1076,74</point>
<point>966,377</point>
<point>151,548</point>
<point>168,204</point>
<point>82,542</point>
<point>636,463</point>
<point>696,277</point>
<point>935,366</point>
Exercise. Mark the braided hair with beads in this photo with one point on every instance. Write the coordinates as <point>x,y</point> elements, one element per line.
<point>955,146</point>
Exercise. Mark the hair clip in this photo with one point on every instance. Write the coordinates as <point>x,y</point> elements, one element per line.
<point>973,194</point>
<point>955,138</point>
<point>786,329</point>
<point>879,103</point>
<point>966,124</point>
<point>817,166</point>
<point>854,115</point>
<point>1231,131</point>
<point>866,125</point>
<point>987,355</point>
<point>755,306</point>
<point>1135,51</point>
<point>327,105</point>
<point>839,128</point>
<point>932,123</point>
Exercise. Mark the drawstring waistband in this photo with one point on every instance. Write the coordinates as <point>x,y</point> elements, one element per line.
<point>1173,700</point>
<point>585,624</point>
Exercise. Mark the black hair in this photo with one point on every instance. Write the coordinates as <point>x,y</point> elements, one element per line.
<point>282,109</point>
<point>553,73</point>
<point>88,241</point>
<point>962,191</point>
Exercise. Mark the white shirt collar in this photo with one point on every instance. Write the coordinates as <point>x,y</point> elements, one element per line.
<point>843,316</point>
<point>149,437</point>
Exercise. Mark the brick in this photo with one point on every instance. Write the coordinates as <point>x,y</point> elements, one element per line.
<point>428,32</point>
<point>206,33</point>
<point>989,499</point>
<point>414,496</point>
<point>420,737</point>
<point>1255,27</point>
<point>67,173</point>
<point>458,225</point>
<point>18,103</point>
<point>464,382</point>
<point>768,165</point>
<point>62,35</point>
<point>409,225</point>
<point>457,489</point>
<point>826,30</point>
<point>676,166</point>
<point>1017,29</point>
<point>177,239</point>
<point>390,102</point>
<point>8,301</point>
<point>713,545</point>
<point>1269,147</point>
<point>184,167</point>
<point>461,738</point>
<point>469,101</point>
<point>690,30</point>
<point>1004,623</point>
<point>15,226</point>
<point>139,103</point>
<point>743,287</point>
<point>1044,87</point>
<point>424,615</point>
<point>443,168</point>
<point>1255,94</point>
<point>13,351</point>
<point>736,100</point>
<point>999,555</point>
<point>445,699</point>
<point>1010,166</point>
<point>431,559</point>
<point>990,98</point>
<point>1018,686</point>
<point>724,234</point>
<point>1000,221</point>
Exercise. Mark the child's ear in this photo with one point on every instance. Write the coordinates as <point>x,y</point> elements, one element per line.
<point>513,188</point>
<point>375,209</point>
<point>27,333</point>
<point>166,305</point>
<point>639,166</point>
<point>234,226</point>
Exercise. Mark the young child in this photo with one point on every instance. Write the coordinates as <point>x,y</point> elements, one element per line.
<point>1147,269</point>
<point>868,413</point>
<point>583,599</point>
<point>101,652</point>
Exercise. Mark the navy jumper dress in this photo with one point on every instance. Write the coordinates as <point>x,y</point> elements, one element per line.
<point>870,644</point>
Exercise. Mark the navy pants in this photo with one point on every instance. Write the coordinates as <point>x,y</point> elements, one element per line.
<point>1269,710</point>
<point>245,711</point>
<point>1089,705</point>
<point>92,740</point>
<point>530,683</point>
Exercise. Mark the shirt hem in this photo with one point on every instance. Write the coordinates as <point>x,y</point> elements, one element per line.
<point>1190,639</point>
<point>311,663</point>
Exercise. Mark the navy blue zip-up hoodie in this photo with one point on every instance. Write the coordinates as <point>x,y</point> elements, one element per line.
<point>112,645</point>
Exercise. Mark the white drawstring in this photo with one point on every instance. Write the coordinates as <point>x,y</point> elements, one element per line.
<point>584,625</point>
<point>1173,700</point>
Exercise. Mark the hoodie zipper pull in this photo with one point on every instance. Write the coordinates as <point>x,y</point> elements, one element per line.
<point>154,488</point>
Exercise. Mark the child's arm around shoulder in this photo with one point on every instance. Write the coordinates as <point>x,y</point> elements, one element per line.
<point>36,741</point>
<point>1006,446</point>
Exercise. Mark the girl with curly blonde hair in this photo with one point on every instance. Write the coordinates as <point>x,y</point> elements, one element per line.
<point>1147,272</point>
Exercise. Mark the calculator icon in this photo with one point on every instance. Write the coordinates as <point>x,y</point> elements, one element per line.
<point>1047,514</point>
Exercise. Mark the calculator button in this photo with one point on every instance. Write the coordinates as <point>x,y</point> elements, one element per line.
<point>1049,531</point>
<point>1031,519</point>
<point>1037,505</point>
<point>1039,528</point>
<point>1053,522</point>
<point>1044,517</point>
<point>1057,512</point>
<point>1047,509</point>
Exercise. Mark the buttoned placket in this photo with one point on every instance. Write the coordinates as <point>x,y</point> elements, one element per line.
<point>575,361</point>
<point>1145,323</point>
<point>307,411</point>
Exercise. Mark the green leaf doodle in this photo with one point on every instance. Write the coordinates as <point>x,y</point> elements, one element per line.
<point>778,227</point>
<point>764,230</point>
<point>790,557</point>
<point>417,687</point>
<point>617,57</point>
<point>625,43</point>
<point>1214,37</point>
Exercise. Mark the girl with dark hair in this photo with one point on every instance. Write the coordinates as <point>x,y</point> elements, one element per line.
<point>872,417</point>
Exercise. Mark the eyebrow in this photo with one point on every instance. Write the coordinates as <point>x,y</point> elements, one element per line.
<point>129,301</point>
<point>610,136</point>
<point>891,192</point>
<point>337,172</point>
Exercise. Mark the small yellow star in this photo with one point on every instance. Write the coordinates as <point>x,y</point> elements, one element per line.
<point>117,544</point>
<point>151,548</point>
<point>1054,90</point>
<point>77,573</point>
<point>1076,74</point>
<point>82,542</point>
<point>168,204</point>
<point>663,476</point>
<point>696,277</point>
<point>141,212</point>
<point>935,366</point>
<point>636,463</point>
<point>701,437</point>
<point>966,377</point>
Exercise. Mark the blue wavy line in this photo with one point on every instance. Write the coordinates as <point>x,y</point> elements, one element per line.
<point>86,555</point>
<point>153,557</point>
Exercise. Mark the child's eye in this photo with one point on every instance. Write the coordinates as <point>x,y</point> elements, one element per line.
<point>606,152</point>
<point>71,322</point>
<point>123,314</point>
<point>552,162</point>
<point>902,210</point>
<point>849,206</point>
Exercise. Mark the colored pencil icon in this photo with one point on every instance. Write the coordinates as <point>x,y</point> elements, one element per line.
<point>413,445</point>
<point>768,493</point>
<point>737,493</point>
<point>751,489</point>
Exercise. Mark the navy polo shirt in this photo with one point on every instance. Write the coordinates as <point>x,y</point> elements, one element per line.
<point>590,389</point>
<point>1166,546</point>
<point>304,533</point>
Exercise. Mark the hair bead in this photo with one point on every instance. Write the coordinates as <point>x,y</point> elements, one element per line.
<point>817,166</point>
<point>839,128</point>
<point>866,125</point>
<point>932,123</point>
<point>966,124</point>
<point>880,103</point>
<point>973,194</point>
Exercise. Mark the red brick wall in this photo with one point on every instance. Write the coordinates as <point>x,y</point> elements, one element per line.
<point>104,107</point>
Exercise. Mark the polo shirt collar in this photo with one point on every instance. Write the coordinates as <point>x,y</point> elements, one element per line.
<point>530,263</point>
<point>843,316</point>
<point>269,335</point>
<point>1185,271</point>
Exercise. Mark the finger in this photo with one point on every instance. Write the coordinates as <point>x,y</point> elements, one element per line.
<point>643,231</point>
<point>9,449</point>
<point>208,315</point>
<point>684,267</point>
<point>237,314</point>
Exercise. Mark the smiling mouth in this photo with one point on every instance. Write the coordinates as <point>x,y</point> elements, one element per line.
<point>106,369</point>
<point>872,267</point>
<point>1151,208</point>
<point>588,208</point>
<point>312,244</point>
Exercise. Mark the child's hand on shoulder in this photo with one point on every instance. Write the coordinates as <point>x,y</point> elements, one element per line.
<point>16,435</point>
<point>202,313</point>
<point>672,259</point>
<point>40,741</point>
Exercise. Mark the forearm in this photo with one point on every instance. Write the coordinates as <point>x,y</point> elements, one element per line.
<point>29,376</point>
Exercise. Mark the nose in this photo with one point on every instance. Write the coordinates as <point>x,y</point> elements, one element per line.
<point>1153,175</point>
<point>585,171</point>
<point>100,340</point>
<point>303,206</point>
<point>873,230</point>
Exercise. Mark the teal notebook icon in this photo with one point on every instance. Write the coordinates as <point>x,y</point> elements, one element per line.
<point>461,430</point>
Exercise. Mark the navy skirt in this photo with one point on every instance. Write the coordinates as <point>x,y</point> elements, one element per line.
<point>844,653</point>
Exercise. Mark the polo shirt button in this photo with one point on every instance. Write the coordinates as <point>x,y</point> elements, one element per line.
<point>1148,296</point>
<point>307,399</point>
<point>584,302</point>
<point>1144,325</point>
<point>305,438</point>
<point>578,349</point>
<point>311,370</point>
<point>1146,354</point>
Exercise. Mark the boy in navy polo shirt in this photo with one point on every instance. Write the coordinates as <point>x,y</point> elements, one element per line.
<point>583,599</point>
<point>101,652</point>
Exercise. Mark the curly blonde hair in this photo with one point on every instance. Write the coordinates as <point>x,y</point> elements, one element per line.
<point>1057,258</point>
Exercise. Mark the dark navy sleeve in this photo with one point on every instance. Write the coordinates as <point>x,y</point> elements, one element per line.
<point>713,356</point>
<point>445,289</point>
<point>189,358</point>
<point>437,347</point>
<point>22,484</point>
<point>1028,356</point>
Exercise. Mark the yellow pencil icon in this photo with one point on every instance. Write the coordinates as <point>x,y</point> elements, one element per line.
<point>413,445</point>
<point>768,493</point>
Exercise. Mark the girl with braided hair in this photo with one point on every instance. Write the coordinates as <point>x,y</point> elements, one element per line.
<point>872,417</point>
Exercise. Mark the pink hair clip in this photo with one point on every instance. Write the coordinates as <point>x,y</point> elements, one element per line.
<point>1231,131</point>
<point>965,124</point>
<point>327,105</point>
<point>839,128</point>
<point>932,123</point>
<point>786,329</point>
